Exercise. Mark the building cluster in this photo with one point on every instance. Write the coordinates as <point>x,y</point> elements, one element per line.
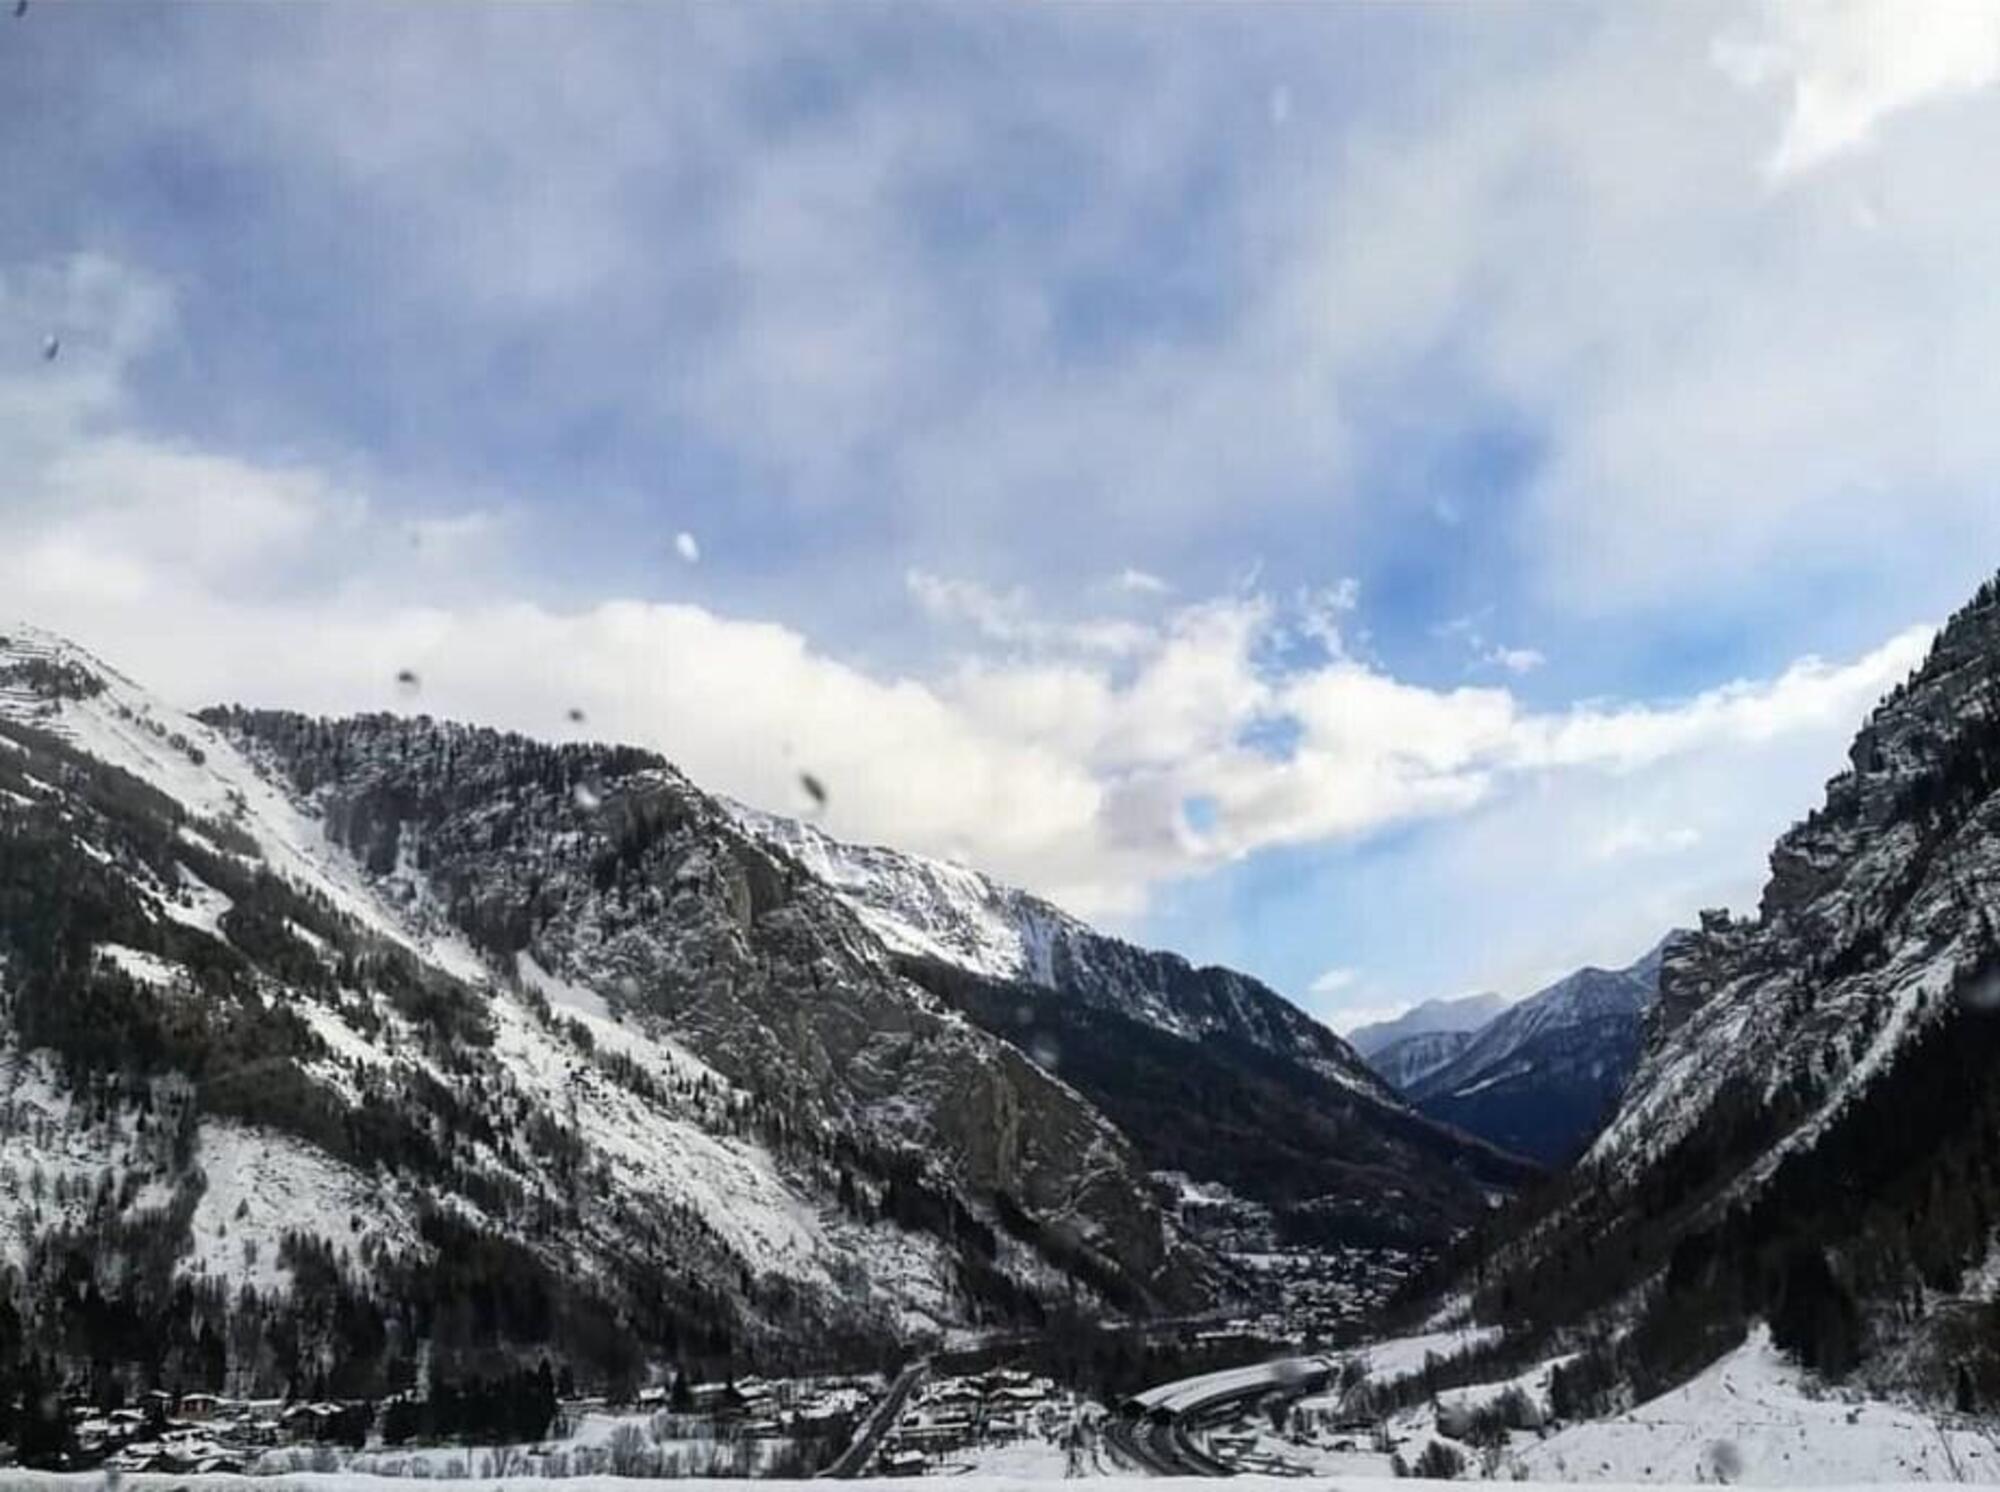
<point>951,1416</point>
<point>754,1408</point>
<point>199,1432</point>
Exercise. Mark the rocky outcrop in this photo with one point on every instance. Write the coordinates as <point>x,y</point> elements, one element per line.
<point>610,869</point>
<point>1811,1134</point>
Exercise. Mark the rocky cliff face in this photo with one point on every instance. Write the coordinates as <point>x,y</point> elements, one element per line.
<point>1809,1134</point>
<point>612,871</point>
<point>1874,912</point>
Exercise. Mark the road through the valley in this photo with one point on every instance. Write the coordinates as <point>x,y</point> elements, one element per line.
<point>854,1460</point>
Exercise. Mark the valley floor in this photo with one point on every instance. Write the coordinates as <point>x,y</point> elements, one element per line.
<point>1752,1419</point>
<point>352,1482</point>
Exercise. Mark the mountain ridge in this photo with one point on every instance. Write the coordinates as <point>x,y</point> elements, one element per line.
<point>959,916</point>
<point>1810,1135</point>
<point>435,1013</point>
<point>1462,1015</point>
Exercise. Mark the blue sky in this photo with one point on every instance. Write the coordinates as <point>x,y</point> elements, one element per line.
<point>1400,499</point>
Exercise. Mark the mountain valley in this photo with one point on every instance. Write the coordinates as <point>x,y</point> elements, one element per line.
<point>364,1057</point>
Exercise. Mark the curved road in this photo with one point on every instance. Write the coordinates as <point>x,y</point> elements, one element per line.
<point>1152,1430</point>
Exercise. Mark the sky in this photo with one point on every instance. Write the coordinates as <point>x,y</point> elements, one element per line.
<point>1399,499</point>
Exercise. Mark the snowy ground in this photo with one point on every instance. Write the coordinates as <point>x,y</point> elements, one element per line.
<point>1754,1412</point>
<point>1752,1418</point>
<point>1019,1461</point>
<point>1398,1357</point>
<point>31,1481</point>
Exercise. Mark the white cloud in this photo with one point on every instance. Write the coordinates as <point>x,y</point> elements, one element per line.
<point>1575,244</point>
<point>1347,1019</point>
<point>1012,617</point>
<point>1636,837</point>
<point>1516,660</point>
<point>1332,981</point>
<point>1066,773</point>
<point>1734,394</point>
<point>1062,756</point>
<point>1849,65</point>
<point>1140,582</point>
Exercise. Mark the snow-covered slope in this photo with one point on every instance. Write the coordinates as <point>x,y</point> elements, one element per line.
<point>930,907</point>
<point>1463,1015</point>
<point>373,1004</point>
<point>1754,1418</point>
<point>1406,1062</point>
<point>1540,1077</point>
<point>960,917</point>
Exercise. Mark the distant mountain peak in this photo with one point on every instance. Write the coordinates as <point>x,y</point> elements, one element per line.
<point>1461,1013</point>
<point>1543,1072</point>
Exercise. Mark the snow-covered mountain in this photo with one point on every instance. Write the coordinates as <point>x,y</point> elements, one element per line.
<point>1812,1133</point>
<point>446,1043</point>
<point>1215,1076</point>
<point>331,1046</point>
<point>934,910</point>
<point>1406,1062</point>
<point>1541,1076</point>
<point>1460,1016</point>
